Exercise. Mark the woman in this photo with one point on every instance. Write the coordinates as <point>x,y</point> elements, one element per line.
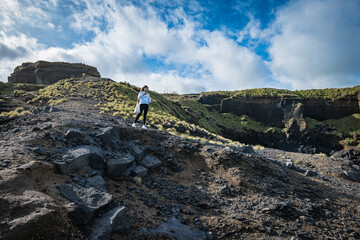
<point>145,100</point>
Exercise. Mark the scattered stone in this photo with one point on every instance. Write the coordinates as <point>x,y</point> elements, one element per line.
<point>121,165</point>
<point>353,176</point>
<point>137,150</point>
<point>247,149</point>
<point>115,221</point>
<point>109,136</point>
<point>150,162</point>
<point>79,213</point>
<point>175,229</point>
<point>7,161</point>
<point>38,150</point>
<point>96,182</point>
<point>92,198</point>
<point>356,167</point>
<point>83,158</point>
<point>48,126</point>
<point>311,173</point>
<point>74,135</point>
<point>140,171</point>
<point>351,154</point>
<point>3,165</point>
<point>49,109</point>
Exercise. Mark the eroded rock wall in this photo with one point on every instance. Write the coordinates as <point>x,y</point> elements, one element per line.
<point>276,111</point>
<point>330,109</point>
<point>43,72</point>
<point>270,111</point>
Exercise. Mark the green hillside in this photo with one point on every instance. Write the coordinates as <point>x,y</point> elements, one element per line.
<point>119,99</point>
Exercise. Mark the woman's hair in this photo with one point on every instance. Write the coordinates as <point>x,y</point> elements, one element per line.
<point>142,89</point>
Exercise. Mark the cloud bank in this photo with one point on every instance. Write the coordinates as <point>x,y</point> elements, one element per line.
<point>310,44</point>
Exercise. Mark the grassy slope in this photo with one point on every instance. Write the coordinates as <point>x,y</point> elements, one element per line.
<point>215,121</point>
<point>347,128</point>
<point>119,99</point>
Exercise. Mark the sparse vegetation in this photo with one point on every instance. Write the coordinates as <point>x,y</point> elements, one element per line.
<point>15,113</point>
<point>119,99</point>
<point>18,88</point>
<point>347,128</point>
<point>328,93</point>
<point>56,101</point>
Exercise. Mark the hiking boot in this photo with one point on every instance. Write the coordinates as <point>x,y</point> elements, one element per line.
<point>133,125</point>
<point>144,127</point>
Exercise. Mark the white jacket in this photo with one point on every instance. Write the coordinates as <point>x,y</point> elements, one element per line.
<point>144,99</point>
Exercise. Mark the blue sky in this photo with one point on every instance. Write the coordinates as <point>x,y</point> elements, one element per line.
<point>190,46</point>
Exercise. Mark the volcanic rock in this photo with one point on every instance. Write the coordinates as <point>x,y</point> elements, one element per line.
<point>113,222</point>
<point>80,159</point>
<point>151,162</point>
<point>43,72</point>
<point>121,165</point>
<point>176,229</point>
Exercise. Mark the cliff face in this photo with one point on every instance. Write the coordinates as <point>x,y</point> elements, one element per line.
<point>328,109</point>
<point>288,113</point>
<point>43,72</point>
<point>277,111</point>
<point>270,111</point>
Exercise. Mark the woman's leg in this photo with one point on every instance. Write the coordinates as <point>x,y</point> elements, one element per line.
<point>146,107</point>
<point>139,114</point>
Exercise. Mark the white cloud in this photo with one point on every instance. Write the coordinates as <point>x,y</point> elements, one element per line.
<point>50,25</point>
<point>316,44</point>
<point>118,51</point>
<point>14,50</point>
<point>14,13</point>
<point>312,44</point>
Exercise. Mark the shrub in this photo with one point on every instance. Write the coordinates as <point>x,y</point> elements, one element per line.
<point>13,114</point>
<point>56,102</point>
<point>24,113</point>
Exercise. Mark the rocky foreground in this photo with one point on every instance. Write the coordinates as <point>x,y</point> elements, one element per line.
<point>68,172</point>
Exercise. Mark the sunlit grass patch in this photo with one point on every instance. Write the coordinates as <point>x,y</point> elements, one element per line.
<point>57,101</point>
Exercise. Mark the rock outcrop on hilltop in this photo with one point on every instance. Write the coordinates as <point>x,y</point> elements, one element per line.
<point>42,72</point>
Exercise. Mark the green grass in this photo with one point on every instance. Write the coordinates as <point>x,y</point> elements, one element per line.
<point>215,122</point>
<point>9,88</point>
<point>348,126</point>
<point>56,101</point>
<point>119,99</point>
<point>328,93</point>
<point>15,113</point>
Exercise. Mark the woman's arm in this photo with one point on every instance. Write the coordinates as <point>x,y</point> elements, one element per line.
<point>141,95</point>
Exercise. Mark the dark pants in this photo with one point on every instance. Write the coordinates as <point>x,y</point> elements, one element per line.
<point>143,108</point>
